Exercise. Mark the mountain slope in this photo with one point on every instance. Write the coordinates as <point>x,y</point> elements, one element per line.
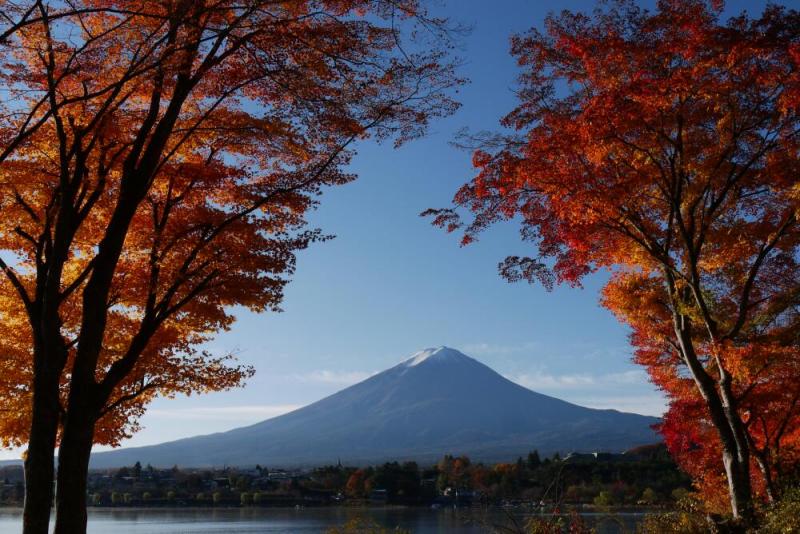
<point>438,401</point>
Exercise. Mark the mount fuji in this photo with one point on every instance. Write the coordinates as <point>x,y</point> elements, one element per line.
<point>437,402</point>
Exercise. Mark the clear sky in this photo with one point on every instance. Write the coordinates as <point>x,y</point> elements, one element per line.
<point>390,284</point>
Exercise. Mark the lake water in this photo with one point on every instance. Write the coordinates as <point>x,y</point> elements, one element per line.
<point>307,520</point>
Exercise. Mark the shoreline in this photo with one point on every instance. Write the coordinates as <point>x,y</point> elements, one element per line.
<point>588,510</point>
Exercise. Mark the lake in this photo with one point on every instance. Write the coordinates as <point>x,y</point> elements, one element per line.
<point>307,520</point>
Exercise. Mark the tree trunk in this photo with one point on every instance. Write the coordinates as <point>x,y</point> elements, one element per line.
<point>735,454</point>
<point>766,471</point>
<point>737,461</point>
<point>73,468</point>
<point>39,458</point>
<point>739,487</point>
<point>721,407</point>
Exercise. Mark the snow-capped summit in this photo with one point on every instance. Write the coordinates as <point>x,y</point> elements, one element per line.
<point>437,402</point>
<point>438,354</point>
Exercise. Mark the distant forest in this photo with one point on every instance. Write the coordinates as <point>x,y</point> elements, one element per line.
<point>644,476</point>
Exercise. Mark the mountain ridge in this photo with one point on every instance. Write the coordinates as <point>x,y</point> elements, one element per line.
<point>435,402</point>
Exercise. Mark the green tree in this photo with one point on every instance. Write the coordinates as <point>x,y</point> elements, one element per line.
<point>604,499</point>
<point>241,483</point>
<point>784,517</point>
<point>679,494</point>
<point>649,496</point>
<point>533,460</point>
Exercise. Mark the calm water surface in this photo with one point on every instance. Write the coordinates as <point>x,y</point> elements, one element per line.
<point>308,520</point>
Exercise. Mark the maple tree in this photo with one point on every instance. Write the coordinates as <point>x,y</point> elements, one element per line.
<point>157,160</point>
<point>765,368</point>
<point>662,147</point>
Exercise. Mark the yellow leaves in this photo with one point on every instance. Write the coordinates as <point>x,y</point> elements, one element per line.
<point>636,298</point>
<point>15,362</point>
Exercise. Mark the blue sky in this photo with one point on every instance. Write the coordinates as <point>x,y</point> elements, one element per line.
<point>390,284</point>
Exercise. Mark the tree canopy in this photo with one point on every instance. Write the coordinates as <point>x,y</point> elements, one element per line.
<point>157,160</point>
<point>662,146</point>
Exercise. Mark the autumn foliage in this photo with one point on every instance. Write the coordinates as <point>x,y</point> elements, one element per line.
<point>157,161</point>
<point>662,147</point>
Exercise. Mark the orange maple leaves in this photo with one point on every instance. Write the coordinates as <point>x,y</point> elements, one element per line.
<point>241,114</point>
<point>157,161</point>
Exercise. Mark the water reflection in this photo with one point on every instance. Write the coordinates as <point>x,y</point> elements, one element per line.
<point>308,520</point>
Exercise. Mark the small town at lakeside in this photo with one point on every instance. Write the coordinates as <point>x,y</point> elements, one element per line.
<point>645,476</point>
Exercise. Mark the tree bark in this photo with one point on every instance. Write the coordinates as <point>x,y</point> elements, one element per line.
<point>737,462</point>
<point>73,466</point>
<point>766,471</point>
<point>41,447</point>
<point>739,487</point>
<point>726,420</point>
